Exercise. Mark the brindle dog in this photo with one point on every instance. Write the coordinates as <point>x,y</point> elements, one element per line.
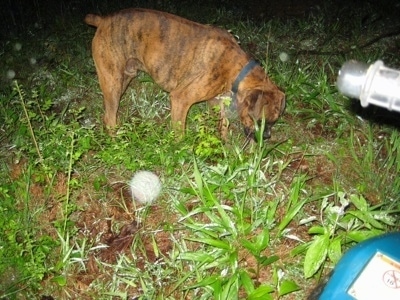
<point>193,62</point>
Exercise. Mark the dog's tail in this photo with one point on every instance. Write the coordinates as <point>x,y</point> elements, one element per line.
<point>93,20</point>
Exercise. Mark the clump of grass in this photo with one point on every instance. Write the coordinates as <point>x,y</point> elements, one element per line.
<point>23,261</point>
<point>223,223</point>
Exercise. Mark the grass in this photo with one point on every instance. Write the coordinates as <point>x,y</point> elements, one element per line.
<point>267,220</point>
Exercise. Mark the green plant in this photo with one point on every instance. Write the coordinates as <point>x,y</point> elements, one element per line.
<point>390,166</point>
<point>65,227</point>
<point>342,224</point>
<point>223,228</point>
<point>47,133</point>
<point>207,143</point>
<point>24,250</point>
<point>376,155</point>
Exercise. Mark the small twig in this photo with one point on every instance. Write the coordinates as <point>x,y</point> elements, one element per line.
<point>66,211</point>
<point>21,97</point>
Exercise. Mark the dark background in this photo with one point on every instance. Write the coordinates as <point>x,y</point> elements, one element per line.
<point>20,16</point>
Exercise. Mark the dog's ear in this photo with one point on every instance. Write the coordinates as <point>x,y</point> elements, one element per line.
<point>246,101</point>
<point>266,104</point>
<point>260,101</point>
<point>252,106</point>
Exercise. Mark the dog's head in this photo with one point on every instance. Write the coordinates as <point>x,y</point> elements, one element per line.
<point>255,105</point>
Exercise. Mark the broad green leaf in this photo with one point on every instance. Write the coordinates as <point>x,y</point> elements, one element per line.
<point>367,219</point>
<point>246,281</point>
<point>249,246</point>
<point>316,230</point>
<point>361,235</point>
<point>271,213</point>
<point>262,240</point>
<point>294,205</point>
<point>60,280</point>
<point>198,178</point>
<point>217,287</point>
<point>359,202</point>
<point>287,287</point>
<point>316,255</point>
<point>231,288</point>
<point>299,249</point>
<point>188,190</point>
<point>267,260</point>
<point>261,293</point>
<point>197,256</point>
<point>335,250</point>
<point>292,212</point>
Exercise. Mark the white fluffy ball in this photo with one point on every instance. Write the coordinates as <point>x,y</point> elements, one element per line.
<point>145,187</point>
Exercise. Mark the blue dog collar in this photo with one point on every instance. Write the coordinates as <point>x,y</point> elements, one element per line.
<point>246,69</point>
<point>243,73</point>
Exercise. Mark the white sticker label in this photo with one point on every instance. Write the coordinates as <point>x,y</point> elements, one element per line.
<point>380,279</point>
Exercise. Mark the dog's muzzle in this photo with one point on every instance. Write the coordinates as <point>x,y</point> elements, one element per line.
<point>266,134</point>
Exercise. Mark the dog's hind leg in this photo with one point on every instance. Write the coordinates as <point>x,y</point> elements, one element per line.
<point>113,83</point>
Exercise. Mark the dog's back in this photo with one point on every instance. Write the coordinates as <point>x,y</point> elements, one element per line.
<point>168,47</point>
